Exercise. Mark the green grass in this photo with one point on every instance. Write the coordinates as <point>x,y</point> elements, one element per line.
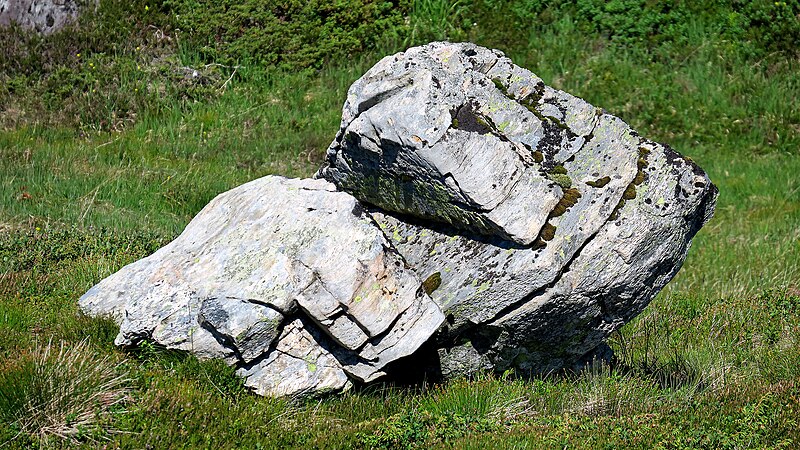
<point>92,181</point>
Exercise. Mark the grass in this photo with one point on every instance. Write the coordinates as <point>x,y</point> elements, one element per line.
<point>60,393</point>
<point>713,362</point>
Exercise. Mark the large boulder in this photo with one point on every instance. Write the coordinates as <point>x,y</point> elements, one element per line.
<point>546,222</point>
<point>467,214</point>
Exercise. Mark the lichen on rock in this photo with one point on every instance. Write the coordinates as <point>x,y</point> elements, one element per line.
<point>465,208</point>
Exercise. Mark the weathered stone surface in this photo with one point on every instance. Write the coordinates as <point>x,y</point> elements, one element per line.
<point>509,226</point>
<point>299,365</point>
<point>42,16</point>
<point>564,222</point>
<point>259,257</point>
<point>456,133</point>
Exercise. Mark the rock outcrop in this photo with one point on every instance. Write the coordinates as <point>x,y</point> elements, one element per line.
<point>464,205</point>
<point>42,16</point>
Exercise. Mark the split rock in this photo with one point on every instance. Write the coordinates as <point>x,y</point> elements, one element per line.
<point>276,275</point>
<point>504,225</point>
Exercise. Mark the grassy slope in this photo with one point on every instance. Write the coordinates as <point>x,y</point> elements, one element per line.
<point>712,363</point>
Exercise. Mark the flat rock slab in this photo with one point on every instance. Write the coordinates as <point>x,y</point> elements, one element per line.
<point>265,255</point>
<point>456,133</point>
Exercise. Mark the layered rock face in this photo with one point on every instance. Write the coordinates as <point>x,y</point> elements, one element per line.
<point>464,205</point>
<point>258,276</point>
<point>556,221</point>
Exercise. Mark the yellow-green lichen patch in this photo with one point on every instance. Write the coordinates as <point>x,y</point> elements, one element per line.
<point>432,283</point>
<point>561,179</point>
<point>600,182</point>
<point>311,363</point>
<point>568,200</point>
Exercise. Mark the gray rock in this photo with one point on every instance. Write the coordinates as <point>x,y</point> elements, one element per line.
<point>42,16</point>
<point>261,256</point>
<point>248,328</point>
<point>508,226</point>
<point>557,222</point>
<point>299,365</point>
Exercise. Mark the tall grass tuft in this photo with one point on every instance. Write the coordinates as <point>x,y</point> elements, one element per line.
<point>60,391</point>
<point>485,398</point>
<point>437,20</point>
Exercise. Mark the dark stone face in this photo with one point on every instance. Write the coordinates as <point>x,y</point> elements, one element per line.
<point>468,121</point>
<point>42,16</point>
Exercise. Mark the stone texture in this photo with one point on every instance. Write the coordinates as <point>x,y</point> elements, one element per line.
<point>42,16</point>
<point>557,223</point>
<point>261,256</point>
<point>299,365</point>
<point>504,225</point>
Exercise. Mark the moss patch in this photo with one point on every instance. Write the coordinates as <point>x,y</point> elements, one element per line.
<point>561,179</point>
<point>548,232</point>
<point>432,283</point>
<point>630,192</point>
<point>568,200</point>
<point>501,87</point>
<point>600,182</point>
<point>641,164</point>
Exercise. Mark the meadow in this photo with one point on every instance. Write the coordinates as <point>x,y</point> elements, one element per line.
<point>113,137</point>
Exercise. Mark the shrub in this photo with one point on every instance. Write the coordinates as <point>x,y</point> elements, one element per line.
<point>290,34</point>
<point>776,25</point>
<point>631,21</point>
